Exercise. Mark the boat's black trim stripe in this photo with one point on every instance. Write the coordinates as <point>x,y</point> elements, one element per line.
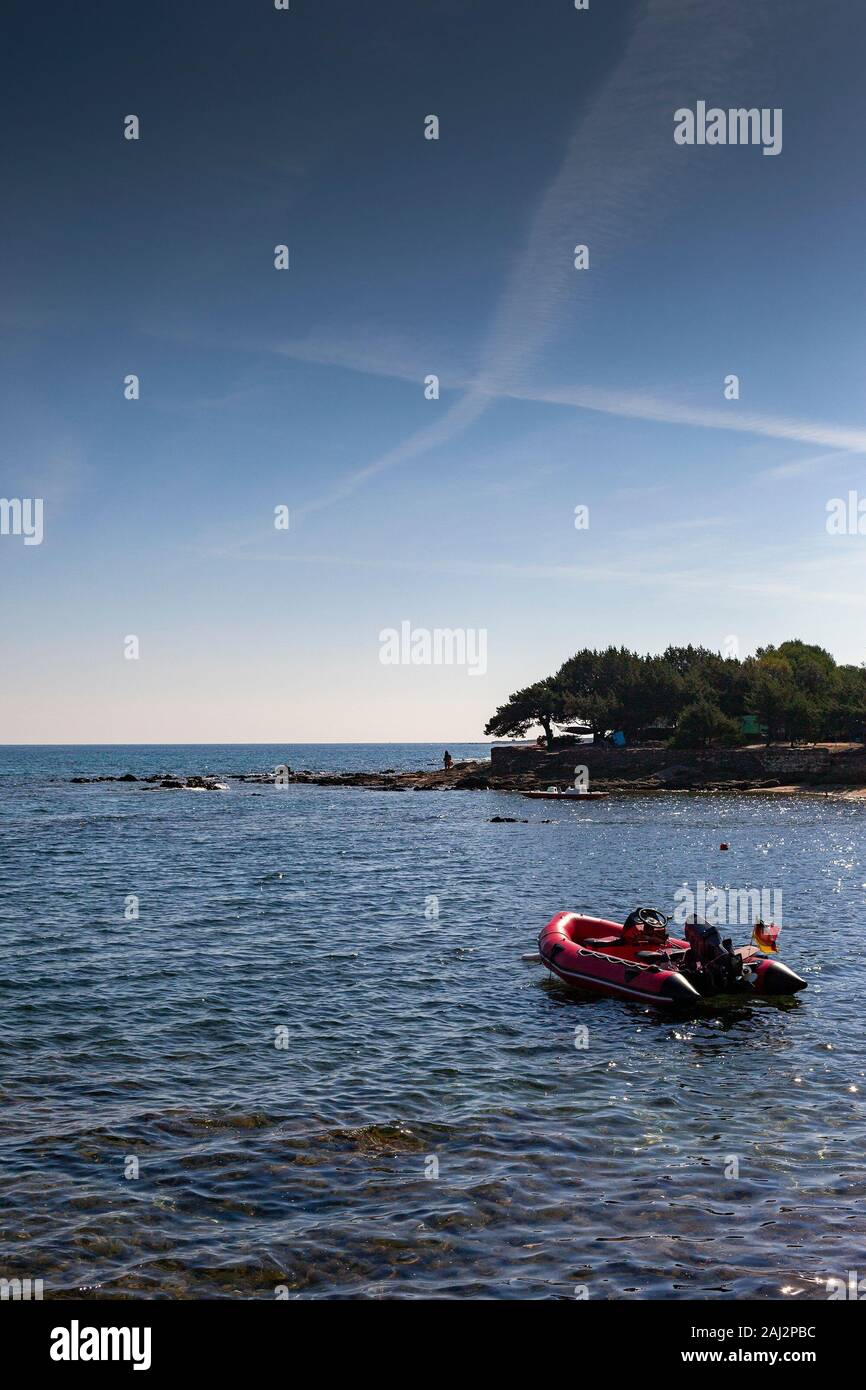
<point>608,984</point>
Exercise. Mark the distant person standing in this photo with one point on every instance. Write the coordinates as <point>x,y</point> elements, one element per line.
<point>447,761</point>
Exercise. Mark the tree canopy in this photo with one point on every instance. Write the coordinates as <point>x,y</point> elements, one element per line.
<point>795,691</point>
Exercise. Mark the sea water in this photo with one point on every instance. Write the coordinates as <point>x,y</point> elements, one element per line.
<point>282,1042</point>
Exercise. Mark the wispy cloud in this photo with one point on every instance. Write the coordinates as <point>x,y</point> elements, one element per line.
<point>814,578</point>
<point>846,441</point>
<point>610,182</point>
<point>613,161</point>
<point>851,438</point>
<point>455,420</point>
<point>380,353</point>
<point>801,467</point>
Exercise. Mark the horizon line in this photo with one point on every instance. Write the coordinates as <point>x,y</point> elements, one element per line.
<point>270,743</point>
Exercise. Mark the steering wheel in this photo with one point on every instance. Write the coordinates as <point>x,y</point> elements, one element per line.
<point>651,917</point>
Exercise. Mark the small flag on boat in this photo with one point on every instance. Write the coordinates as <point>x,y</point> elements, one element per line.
<point>765,935</point>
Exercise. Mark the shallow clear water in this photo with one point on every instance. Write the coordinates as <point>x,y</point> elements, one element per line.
<point>411,1042</point>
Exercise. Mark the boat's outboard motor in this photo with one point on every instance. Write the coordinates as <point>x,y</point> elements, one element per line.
<point>715,961</point>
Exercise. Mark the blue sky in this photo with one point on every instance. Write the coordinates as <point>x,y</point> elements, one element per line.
<point>559,387</point>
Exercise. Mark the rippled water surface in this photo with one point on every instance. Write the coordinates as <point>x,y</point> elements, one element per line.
<point>429,1127</point>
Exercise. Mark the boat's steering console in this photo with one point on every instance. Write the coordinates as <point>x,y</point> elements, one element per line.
<point>646,925</point>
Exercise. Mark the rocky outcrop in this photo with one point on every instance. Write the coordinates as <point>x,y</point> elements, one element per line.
<point>464,776</point>
<point>528,768</point>
<point>205,782</point>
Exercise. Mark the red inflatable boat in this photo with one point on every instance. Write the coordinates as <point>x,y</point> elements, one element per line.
<point>638,960</point>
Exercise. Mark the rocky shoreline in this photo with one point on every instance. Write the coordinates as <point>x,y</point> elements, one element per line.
<point>464,776</point>
<point>476,776</point>
<point>164,781</point>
